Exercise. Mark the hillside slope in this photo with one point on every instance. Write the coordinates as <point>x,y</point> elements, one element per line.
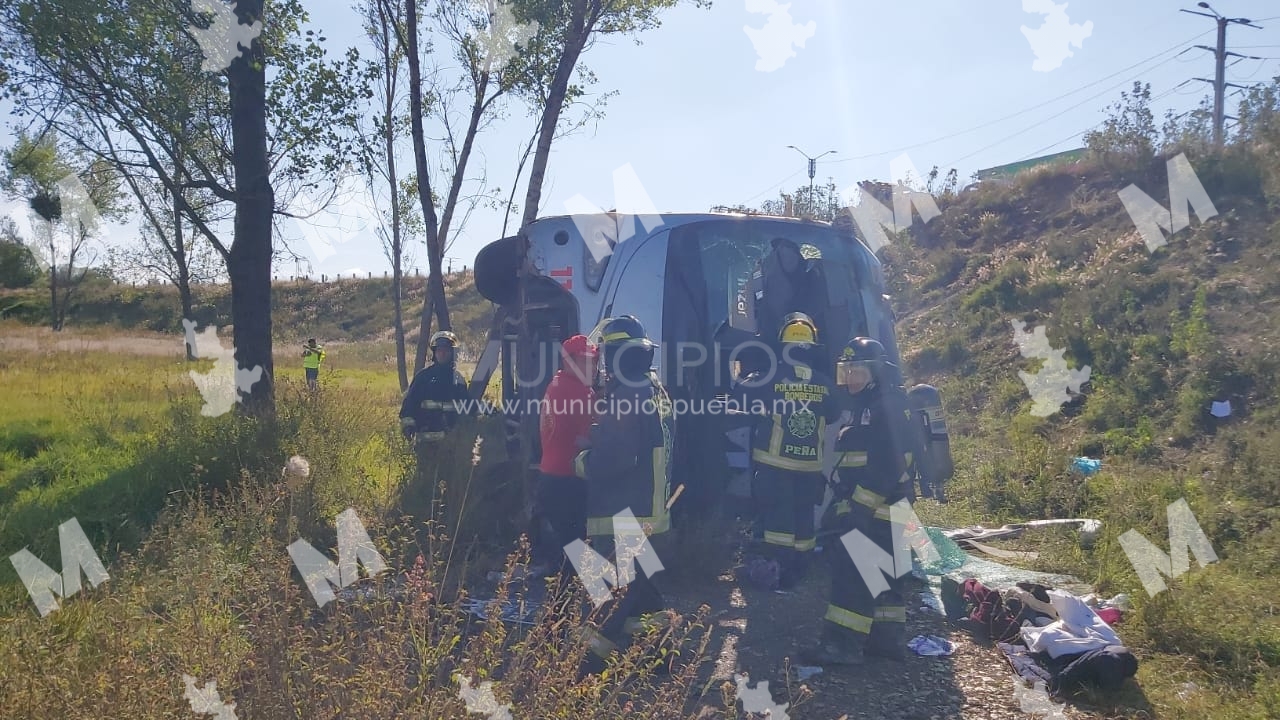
<point>1165,335</point>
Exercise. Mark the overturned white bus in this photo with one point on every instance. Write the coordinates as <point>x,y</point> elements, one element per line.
<point>707,287</point>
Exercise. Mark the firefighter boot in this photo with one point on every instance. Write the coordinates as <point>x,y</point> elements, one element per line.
<point>888,640</point>
<point>836,647</point>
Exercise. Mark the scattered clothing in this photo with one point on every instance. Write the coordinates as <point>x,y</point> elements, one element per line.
<point>1220,409</point>
<point>1078,630</point>
<point>1024,663</point>
<point>1110,615</point>
<point>988,609</point>
<point>931,645</point>
<point>1105,668</point>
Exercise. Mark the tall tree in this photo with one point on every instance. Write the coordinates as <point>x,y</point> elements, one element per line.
<point>166,247</point>
<point>18,266</point>
<point>122,71</point>
<point>384,25</point>
<point>67,205</point>
<point>485,40</point>
<point>570,27</point>
<point>249,259</point>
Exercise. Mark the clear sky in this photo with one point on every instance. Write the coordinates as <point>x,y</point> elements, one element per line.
<point>704,119</point>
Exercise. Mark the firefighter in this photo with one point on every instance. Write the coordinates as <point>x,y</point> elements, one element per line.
<point>567,413</point>
<point>876,452</point>
<point>626,468</point>
<point>437,395</point>
<point>790,407</point>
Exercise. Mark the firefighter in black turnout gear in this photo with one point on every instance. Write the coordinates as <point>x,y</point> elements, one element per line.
<point>876,453</point>
<point>437,395</point>
<point>790,408</point>
<point>627,468</point>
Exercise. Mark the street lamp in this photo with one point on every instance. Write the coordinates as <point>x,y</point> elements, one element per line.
<point>813,168</point>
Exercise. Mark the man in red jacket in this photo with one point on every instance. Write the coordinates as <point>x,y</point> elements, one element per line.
<point>565,424</point>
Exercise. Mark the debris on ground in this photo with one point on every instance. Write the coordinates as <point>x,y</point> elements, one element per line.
<point>931,645</point>
<point>1086,465</point>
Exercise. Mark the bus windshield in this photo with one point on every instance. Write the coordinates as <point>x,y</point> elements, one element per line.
<point>837,277</point>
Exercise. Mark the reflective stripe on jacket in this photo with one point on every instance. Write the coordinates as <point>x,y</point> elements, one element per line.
<point>628,464</point>
<point>435,398</point>
<point>877,449</point>
<point>791,410</point>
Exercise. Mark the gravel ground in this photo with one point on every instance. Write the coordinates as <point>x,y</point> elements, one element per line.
<point>759,633</point>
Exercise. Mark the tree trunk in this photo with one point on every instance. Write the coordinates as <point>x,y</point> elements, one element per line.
<point>390,75</point>
<point>397,293</point>
<point>575,40</point>
<point>184,296</point>
<point>468,142</point>
<point>249,262</point>
<point>576,33</point>
<point>53,293</point>
<point>182,262</point>
<point>435,253</point>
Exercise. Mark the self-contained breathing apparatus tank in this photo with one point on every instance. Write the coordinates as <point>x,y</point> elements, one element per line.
<point>927,401</point>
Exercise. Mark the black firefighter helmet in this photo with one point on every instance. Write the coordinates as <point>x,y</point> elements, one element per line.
<point>623,338</point>
<point>862,355</point>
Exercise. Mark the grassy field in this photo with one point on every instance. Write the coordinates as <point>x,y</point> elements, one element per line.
<point>191,516</point>
<point>192,519</point>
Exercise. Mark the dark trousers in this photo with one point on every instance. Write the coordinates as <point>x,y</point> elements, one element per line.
<point>560,504</point>
<point>628,613</point>
<point>313,376</point>
<point>786,501</point>
<point>853,608</point>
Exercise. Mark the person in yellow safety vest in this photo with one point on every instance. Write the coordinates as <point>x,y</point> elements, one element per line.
<point>437,395</point>
<point>791,403</point>
<point>626,467</point>
<point>312,355</point>
<point>876,453</point>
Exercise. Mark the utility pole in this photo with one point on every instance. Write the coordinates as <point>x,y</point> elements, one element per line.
<point>1220,54</point>
<point>813,170</point>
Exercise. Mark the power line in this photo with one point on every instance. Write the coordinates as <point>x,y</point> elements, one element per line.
<point>1027,109</point>
<point>1078,133</point>
<point>1073,107</point>
<point>1035,153</point>
<point>771,187</point>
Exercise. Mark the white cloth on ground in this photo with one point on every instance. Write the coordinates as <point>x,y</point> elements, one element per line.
<point>1078,630</point>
